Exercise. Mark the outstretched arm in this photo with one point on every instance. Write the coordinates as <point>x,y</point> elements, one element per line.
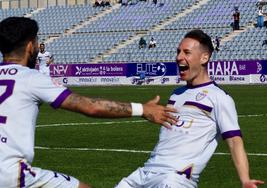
<point>112,109</point>
<point>240,160</point>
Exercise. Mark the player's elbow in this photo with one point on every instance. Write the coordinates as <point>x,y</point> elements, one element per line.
<point>83,105</point>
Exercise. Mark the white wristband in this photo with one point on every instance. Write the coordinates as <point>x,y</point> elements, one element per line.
<point>137,109</point>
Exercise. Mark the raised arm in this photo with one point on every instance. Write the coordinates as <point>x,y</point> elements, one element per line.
<point>113,109</point>
<point>240,160</point>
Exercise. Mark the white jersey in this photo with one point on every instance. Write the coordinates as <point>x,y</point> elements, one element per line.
<point>22,90</point>
<point>43,58</point>
<point>205,113</point>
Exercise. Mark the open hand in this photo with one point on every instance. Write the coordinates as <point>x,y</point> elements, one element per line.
<point>252,184</point>
<point>158,113</point>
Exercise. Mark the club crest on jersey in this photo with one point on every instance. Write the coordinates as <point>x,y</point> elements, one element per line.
<point>201,95</point>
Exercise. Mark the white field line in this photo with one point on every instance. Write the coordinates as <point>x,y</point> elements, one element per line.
<point>91,123</point>
<point>124,150</point>
<point>251,115</point>
<point>125,122</point>
<point>127,151</point>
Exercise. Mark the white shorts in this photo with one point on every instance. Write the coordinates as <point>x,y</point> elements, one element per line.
<point>45,71</point>
<point>143,178</point>
<point>22,175</point>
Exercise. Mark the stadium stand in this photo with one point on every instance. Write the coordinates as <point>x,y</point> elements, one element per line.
<point>83,47</point>
<point>141,16</point>
<point>215,17</point>
<point>57,19</point>
<point>4,13</point>
<point>87,34</point>
<point>246,46</point>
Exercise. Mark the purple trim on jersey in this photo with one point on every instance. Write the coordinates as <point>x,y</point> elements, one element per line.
<point>230,134</point>
<point>200,85</point>
<point>198,105</point>
<point>60,99</point>
<point>6,63</point>
<point>171,102</point>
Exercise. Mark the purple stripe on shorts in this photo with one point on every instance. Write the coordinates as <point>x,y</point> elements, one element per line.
<point>171,102</point>
<point>187,172</point>
<point>198,105</point>
<point>230,134</point>
<point>60,99</point>
<point>24,168</point>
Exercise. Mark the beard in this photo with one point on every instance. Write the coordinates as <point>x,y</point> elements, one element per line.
<point>32,59</point>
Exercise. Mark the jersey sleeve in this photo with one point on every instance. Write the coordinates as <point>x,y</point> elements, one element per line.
<point>44,89</point>
<point>227,118</point>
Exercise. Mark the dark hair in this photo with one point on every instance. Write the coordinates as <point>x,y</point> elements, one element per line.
<point>202,38</point>
<point>15,32</point>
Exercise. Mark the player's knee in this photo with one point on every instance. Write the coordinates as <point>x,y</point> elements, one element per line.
<point>83,185</point>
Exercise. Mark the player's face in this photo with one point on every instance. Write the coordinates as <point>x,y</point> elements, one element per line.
<point>42,48</point>
<point>190,61</point>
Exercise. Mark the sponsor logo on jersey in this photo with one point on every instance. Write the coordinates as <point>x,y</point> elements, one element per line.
<point>184,124</point>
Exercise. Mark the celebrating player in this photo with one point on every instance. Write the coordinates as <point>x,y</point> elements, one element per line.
<point>44,59</point>
<point>22,90</point>
<point>204,113</point>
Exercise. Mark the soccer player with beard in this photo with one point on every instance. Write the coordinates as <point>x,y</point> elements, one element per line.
<point>23,89</point>
<point>204,113</point>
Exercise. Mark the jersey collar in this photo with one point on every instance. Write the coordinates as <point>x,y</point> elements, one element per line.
<point>7,63</point>
<point>200,85</point>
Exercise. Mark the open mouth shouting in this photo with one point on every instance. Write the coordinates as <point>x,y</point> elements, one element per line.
<point>183,68</point>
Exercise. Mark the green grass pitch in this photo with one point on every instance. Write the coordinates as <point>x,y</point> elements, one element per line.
<point>104,168</point>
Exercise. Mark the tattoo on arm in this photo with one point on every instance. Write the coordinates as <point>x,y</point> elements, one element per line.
<point>117,107</point>
<point>97,107</point>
